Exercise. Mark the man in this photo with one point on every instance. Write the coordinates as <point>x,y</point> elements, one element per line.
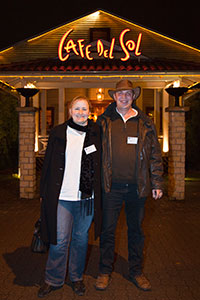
<point>131,166</point>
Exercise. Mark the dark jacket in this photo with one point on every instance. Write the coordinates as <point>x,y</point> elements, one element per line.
<point>52,177</point>
<point>149,167</point>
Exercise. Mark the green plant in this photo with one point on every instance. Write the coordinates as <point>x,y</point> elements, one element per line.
<point>8,131</point>
<point>193,133</point>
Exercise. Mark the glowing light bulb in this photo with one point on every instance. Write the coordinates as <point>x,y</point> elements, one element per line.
<point>29,86</point>
<point>176,83</point>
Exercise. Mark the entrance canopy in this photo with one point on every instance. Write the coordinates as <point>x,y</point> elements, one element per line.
<point>100,44</point>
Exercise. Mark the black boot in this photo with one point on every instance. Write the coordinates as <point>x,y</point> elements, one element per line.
<point>78,287</point>
<point>46,289</point>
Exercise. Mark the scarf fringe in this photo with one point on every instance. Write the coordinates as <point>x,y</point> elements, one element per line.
<point>86,207</point>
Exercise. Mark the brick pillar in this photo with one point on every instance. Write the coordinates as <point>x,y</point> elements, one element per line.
<point>27,160</point>
<point>176,158</point>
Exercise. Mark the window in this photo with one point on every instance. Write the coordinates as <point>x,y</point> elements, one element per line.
<point>99,33</point>
<point>49,119</point>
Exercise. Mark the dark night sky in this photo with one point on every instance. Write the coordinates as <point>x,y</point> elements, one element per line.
<point>23,19</point>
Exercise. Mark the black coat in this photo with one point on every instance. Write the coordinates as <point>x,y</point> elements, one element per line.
<point>52,177</point>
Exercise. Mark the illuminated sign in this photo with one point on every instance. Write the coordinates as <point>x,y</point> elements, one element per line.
<point>66,46</point>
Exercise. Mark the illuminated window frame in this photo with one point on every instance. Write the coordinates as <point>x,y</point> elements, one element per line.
<point>99,33</point>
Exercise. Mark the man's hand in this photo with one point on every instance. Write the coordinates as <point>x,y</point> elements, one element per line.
<point>157,194</point>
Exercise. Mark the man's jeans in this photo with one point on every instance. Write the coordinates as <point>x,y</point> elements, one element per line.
<point>72,240</point>
<point>134,209</point>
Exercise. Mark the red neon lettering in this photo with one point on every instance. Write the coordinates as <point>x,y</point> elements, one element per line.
<point>100,47</point>
<point>81,46</point>
<point>71,45</point>
<point>111,48</point>
<point>137,53</point>
<point>121,40</point>
<point>87,52</point>
<point>106,53</point>
<point>60,47</point>
<point>130,45</point>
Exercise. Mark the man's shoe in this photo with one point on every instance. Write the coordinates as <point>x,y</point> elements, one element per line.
<point>141,282</point>
<point>102,282</point>
<point>78,287</point>
<point>46,289</point>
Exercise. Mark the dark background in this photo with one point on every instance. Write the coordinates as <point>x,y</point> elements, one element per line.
<point>23,19</point>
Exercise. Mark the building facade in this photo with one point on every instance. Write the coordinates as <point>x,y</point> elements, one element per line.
<point>88,56</point>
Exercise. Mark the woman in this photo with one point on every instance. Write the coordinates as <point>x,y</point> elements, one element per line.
<point>70,193</point>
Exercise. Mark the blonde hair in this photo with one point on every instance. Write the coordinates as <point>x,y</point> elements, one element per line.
<point>80,98</point>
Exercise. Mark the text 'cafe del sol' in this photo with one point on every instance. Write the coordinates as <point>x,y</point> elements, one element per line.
<point>70,45</point>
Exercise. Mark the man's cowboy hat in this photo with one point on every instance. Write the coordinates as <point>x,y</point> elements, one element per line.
<point>125,85</point>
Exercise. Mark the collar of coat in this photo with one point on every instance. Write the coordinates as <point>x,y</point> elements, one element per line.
<point>60,130</point>
<point>111,113</point>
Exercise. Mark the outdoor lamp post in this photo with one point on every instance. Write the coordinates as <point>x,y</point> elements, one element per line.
<point>176,156</point>
<point>27,156</point>
<point>176,91</point>
<point>28,92</point>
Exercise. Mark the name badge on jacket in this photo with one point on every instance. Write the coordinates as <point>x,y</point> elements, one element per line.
<point>90,149</point>
<point>132,140</point>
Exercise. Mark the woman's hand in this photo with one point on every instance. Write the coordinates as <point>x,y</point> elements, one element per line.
<point>157,194</point>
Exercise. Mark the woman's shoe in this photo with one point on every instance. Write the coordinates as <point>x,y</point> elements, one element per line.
<point>46,289</point>
<point>78,287</point>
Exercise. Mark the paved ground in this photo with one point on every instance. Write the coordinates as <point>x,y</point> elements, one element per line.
<point>172,258</point>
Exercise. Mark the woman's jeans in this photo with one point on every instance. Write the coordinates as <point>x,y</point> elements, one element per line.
<point>134,209</point>
<point>72,240</point>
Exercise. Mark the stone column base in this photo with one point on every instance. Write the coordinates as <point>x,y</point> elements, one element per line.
<point>176,158</point>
